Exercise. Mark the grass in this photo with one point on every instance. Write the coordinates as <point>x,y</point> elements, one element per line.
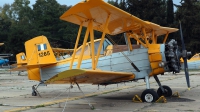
<point>37,106</point>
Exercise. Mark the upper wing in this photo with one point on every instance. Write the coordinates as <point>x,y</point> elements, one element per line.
<point>120,21</point>
<point>90,76</point>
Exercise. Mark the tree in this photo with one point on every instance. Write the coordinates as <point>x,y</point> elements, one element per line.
<point>149,10</point>
<point>170,12</point>
<point>5,24</point>
<point>21,28</point>
<point>111,2</point>
<point>123,5</point>
<point>188,13</point>
<point>46,15</point>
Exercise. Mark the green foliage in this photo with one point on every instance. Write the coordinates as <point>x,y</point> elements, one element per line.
<point>111,2</point>
<point>5,24</point>
<point>149,10</point>
<point>188,13</point>
<point>20,22</point>
<point>170,12</point>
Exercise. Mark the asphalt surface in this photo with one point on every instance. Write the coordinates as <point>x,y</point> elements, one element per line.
<point>15,95</point>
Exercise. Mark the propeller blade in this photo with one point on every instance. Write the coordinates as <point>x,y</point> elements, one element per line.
<point>185,58</point>
<point>186,72</point>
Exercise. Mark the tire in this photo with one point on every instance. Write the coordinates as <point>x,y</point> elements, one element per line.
<point>149,95</point>
<point>168,91</point>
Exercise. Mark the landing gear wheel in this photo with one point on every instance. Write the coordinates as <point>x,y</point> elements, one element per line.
<point>34,93</point>
<point>167,93</point>
<point>149,95</point>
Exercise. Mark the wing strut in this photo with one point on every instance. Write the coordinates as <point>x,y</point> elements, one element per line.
<point>91,33</point>
<point>83,47</point>
<point>92,44</point>
<point>102,39</point>
<point>76,45</point>
<point>165,37</point>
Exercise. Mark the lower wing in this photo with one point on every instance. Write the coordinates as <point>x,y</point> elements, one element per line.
<point>90,76</point>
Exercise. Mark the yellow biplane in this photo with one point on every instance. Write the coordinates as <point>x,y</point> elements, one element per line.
<point>194,62</point>
<point>99,61</point>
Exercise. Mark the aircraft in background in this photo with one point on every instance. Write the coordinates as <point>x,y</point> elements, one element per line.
<point>101,62</point>
<point>194,62</point>
<point>21,64</point>
<point>4,61</point>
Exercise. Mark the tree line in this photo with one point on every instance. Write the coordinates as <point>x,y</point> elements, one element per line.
<point>20,22</point>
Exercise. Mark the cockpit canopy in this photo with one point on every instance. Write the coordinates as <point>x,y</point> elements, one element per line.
<point>88,48</point>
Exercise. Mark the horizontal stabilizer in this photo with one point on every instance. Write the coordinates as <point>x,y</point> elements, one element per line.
<point>19,68</point>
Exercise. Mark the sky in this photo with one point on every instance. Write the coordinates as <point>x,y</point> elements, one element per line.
<point>62,2</point>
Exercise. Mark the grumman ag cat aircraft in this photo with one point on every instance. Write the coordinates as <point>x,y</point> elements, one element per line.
<point>100,62</point>
<point>194,62</point>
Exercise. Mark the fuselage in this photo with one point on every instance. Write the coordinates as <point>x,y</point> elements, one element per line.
<point>115,61</point>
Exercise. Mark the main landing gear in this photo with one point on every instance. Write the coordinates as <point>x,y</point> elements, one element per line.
<point>149,95</point>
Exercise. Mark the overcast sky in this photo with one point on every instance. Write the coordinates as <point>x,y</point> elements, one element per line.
<point>66,2</point>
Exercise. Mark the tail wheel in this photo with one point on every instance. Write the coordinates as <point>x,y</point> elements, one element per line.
<point>149,95</point>
<point>167,93</point>
<point>34,93</point>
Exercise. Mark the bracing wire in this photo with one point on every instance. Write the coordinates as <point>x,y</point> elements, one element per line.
<point>67,99</point>
<point>91,106</point>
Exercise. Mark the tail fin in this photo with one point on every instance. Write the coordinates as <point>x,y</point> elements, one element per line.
<point>21,62</point>
<point>39,51</point>
<point>21,59</point>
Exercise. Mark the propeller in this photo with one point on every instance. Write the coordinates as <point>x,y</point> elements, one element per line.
<point>184,55</point>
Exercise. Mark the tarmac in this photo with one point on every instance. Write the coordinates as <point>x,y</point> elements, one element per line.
<point>15,95</point>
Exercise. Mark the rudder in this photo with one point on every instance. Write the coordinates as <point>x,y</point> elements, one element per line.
<point>39,52</point>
